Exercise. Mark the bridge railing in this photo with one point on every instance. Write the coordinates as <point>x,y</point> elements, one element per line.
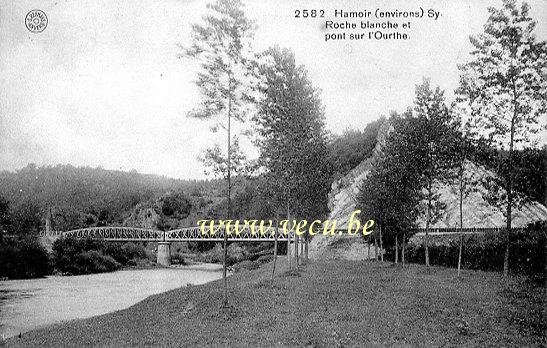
<point>182,234</point>
<point>470,230</point>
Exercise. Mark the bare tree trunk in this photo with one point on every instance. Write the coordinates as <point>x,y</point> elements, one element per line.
<point>229,210</point>
<point>461,218</point>
<point>396,250</point>
<point>368,243</point>
<point>289,256</point>
<point>427,226</point>
<point>509,193</point>
<point>375,247</point>
<point>275,246</point>
<point>381,246</point>
<point>306,248</point>
<point>403,251</point>
<point>295,251</point>
<point>510,182</point>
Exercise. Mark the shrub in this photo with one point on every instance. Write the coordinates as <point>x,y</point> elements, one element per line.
<point>93,261</point>
<point>264,259</point>
<point>125,252</point>
<point>486,252</point>
<point>177,258</point>
<point>247,264</point>
<point>89,256</point>
<point>23,258</point>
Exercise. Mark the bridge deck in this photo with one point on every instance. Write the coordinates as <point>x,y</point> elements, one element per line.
<point>189,234</point>
<point>194,234</point>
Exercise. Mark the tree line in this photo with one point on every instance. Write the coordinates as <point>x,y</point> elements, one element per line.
<point>500,102</point>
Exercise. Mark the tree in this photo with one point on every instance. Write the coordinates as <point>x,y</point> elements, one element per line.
<point>291,137</point>
<point>505,87</point>
<point>464,149</point>
<point>433,150</point>
<point>391,192</point>
<point>5,218</point>
<point>348,150</point>
<point>27,218</point>
<point>225,81</point>
<point>374,198</point>
<point>176,204</point>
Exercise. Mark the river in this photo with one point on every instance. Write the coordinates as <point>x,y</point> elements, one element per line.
<point>32,303</point>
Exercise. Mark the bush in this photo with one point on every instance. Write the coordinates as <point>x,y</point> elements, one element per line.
<point>93,261</point>
<point>90,256</point>
<point>247,264</point>
<point>23,258</point>
<point>486,252</point>
<point>177,258</point>
<point>265,258</point>
<point>125,252</point>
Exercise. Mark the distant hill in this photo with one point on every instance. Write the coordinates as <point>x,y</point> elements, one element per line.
<point>84,195</point>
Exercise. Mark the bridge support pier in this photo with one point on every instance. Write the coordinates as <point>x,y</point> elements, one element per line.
<point>164,254</point>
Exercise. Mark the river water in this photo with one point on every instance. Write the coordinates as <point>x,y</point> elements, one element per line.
<point>33,303</point>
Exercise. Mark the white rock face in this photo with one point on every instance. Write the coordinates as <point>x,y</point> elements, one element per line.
<point>143,216</point>
<point>477,212</point>
<point>342,203</point>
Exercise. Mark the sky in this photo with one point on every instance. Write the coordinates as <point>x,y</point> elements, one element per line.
<point>102,85</point>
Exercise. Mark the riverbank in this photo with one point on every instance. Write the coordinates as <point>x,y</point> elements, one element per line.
<point>334,303</point>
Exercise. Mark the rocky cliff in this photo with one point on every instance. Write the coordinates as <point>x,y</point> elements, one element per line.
<point>478,212</point>
<point>342,202</point>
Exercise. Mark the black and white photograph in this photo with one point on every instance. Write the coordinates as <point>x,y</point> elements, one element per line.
<point>251,173</point>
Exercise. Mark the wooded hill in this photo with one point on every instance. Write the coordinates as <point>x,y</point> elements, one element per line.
<point>83,196</point>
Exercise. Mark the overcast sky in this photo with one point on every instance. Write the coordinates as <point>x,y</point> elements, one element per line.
<point>102,85</point>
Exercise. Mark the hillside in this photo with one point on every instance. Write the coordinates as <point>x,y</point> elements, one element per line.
<point>84,196</point>
<point>478,211</point>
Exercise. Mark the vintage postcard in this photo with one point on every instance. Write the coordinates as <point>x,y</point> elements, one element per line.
<point>249,173</point>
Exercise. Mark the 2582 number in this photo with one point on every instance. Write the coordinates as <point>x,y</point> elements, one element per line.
<point>309,13</point>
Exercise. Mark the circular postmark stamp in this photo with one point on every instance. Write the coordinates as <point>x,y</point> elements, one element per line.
<point>36,21</point>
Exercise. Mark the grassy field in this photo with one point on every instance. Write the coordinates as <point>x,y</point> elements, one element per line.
<point>334,303</point>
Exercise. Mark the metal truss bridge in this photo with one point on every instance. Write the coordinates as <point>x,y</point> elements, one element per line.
<point>193,234</point>
<point>188,234</point>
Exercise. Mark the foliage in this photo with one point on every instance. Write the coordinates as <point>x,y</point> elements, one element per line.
<point>23,258</point>
<point>395,189</point>
<point>26,218</point>
<point>176,204</point>
<point>79,197</point>
<point>226,80</point>
<point>390,193</point>
<point>486,252</point>
<point>505,88</point>
<point>291,137</point>
<point>5,218</point>
<point>530,174</point>
<point>348,150</point>
<point>77,256</point>
<point>504,85</point>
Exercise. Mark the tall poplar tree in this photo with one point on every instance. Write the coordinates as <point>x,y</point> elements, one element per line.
<point>434,150</point>
<point>505,87</point>
<point>291,137</point>
<point>221,44</point>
